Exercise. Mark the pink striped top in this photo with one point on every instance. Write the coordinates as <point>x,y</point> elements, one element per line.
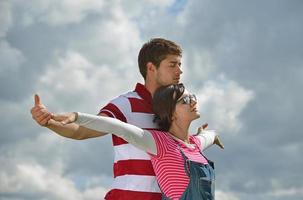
<point>168,164</point>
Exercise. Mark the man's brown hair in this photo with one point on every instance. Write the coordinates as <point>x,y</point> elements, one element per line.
<point>155,51</point>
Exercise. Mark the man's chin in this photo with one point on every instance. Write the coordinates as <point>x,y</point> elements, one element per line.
<point>177,81</point>
<point>174,82</point>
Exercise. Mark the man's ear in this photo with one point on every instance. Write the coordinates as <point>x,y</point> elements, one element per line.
<point>150,67</point>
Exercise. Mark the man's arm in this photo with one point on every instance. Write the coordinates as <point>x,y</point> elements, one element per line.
<point>43,117</point>
<point>73,131</point>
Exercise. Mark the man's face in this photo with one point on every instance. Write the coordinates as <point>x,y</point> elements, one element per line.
<point>169,71</point>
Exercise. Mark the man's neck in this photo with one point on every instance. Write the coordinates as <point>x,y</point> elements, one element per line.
<point>151,87</point>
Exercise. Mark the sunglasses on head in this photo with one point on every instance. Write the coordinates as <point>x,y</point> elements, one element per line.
<point>188,99</point>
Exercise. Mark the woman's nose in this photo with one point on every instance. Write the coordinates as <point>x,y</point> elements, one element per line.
<point>192,103</point>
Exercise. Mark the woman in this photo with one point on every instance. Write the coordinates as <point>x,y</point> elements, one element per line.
<point>182,171</point>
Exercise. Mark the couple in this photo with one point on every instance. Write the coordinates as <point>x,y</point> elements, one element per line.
<point>174,156</point>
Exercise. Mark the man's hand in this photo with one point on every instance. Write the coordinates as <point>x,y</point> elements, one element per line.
<point>39,112</point>
<point>65,118</point>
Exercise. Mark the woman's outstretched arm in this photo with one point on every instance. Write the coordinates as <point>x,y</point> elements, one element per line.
<point>136,136</point>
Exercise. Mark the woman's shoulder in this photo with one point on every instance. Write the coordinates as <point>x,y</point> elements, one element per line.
<point>158,133</point>
<point>194,140</point>
<point>161,136</point>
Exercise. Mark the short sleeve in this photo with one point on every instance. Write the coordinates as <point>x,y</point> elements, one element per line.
<point>161,140</point>
<point>113,111</point>
<point>116,108</point>
<point>206,139</point>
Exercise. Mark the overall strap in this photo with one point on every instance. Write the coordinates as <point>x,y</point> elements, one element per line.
<point>185,158</point>
<point>211,163</point>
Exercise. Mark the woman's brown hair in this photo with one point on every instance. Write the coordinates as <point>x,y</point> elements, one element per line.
<point>164,104</point>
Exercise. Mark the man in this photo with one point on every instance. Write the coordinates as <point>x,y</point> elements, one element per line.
<point>160,64</point>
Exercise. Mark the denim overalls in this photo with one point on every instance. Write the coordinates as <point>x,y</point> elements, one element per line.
<point>201,184</point>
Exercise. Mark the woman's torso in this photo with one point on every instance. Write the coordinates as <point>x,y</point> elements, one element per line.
<point>169,163</point>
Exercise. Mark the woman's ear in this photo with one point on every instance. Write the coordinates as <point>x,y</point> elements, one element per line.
<point>174,117</point>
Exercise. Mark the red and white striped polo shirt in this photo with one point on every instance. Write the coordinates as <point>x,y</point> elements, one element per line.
<point>134,177</point>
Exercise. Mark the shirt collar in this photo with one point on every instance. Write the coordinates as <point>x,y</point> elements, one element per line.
<point>191,144</point>
<point>143,93</point>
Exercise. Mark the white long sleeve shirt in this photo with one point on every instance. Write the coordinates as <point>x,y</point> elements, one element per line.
<point>138,137</point>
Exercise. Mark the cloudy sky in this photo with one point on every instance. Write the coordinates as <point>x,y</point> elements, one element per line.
<point>243,59</point>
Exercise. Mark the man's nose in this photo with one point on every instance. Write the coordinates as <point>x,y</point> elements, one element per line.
<point>179,70</point>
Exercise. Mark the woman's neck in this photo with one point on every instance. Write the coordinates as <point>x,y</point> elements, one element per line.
<point>180,130</point>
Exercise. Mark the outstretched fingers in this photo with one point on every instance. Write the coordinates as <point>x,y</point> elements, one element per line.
<point>41,117</point>
<point>37,100</point>
<point>204,126</point>
<point>45,118</point>
<point>39,112</point>
<point>218,142</point>
<point>201,128</point>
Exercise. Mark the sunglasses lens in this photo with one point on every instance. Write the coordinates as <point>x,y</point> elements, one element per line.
<point>188,99</point>
<point>193,98</point>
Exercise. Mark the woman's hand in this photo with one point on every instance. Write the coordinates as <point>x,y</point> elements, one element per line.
<point>201,128</point>
<point>218,142</point>
<point>66,118</point>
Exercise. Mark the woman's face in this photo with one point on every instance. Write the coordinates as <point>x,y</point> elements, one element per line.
<point>186,108</point>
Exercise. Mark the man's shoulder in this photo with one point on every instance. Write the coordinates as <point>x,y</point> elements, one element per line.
<point>124,98</point>
<point>120,105</point>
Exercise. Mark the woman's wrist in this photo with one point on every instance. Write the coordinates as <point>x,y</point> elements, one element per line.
<point>76,115</point>
<point>218,142</point>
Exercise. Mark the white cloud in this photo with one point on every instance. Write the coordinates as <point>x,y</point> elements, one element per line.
<point>6,19</point>
<point>222,101</point>
<point>80,84</point>
<point>280,190</point>
<point>198,64</point>
<point>223,195</point>
<point>36,168</point>
<point>159,3</point>
<point>287,192</point>
<point>56,12</point>
<point>144,8</point>
<point>10,57</point>
<point>94,193</point>
<point>60,12</point>
<point>114,41</point>
<point>38,181</point>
